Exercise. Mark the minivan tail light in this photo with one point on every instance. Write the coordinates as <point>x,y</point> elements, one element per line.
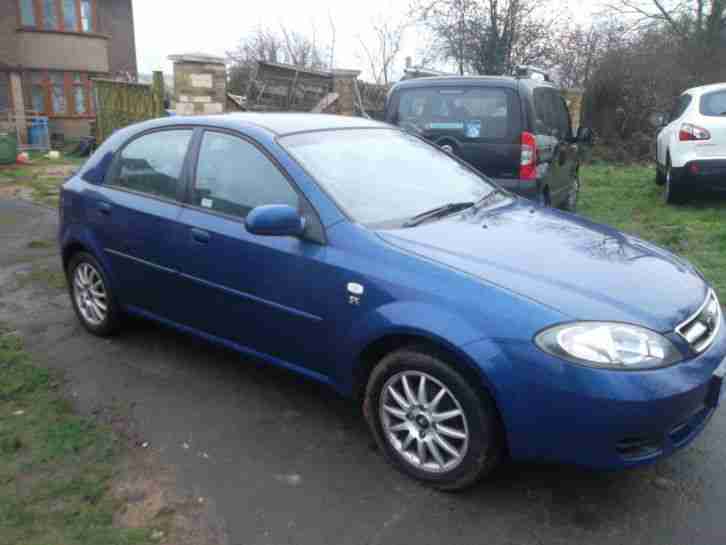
<point>528,162</point>
<point>690,133</point>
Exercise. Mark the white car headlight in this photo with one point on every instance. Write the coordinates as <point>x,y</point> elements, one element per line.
<point>609,345</point>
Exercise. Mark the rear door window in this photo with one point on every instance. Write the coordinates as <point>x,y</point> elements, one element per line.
<point>153,163</point>
<point>478,113</point>
<point>714,104</point>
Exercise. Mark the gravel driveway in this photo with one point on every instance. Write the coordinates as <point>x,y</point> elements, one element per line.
<point>285,461</point>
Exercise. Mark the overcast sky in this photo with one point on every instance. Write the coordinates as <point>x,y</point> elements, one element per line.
<point>165,27</point>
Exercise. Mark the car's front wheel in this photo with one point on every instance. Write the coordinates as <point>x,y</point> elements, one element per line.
<point>91,295</point>
<point>430,421</point>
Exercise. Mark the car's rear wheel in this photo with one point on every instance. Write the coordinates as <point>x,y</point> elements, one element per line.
<point>430,422</point>
<point>91,296</point>
<point>660,177</point>
<point>673,193</point>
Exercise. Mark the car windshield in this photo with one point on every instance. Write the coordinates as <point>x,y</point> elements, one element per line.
<point>384,177</point>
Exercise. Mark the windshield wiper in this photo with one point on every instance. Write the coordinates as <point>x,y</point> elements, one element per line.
<point>438,212</point>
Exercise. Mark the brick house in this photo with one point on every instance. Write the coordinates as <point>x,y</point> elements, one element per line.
<point>51,49</point>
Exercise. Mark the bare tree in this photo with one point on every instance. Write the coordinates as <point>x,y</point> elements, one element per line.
<point>302,50</point>
<point>448,23</point>
<point>489,36</point>
<point>265,44</point>
<point>701,21</point>
<point>333,34</point>
<point>382,51</point>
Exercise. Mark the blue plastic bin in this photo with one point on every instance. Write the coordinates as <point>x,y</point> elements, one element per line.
<point>38,132</point>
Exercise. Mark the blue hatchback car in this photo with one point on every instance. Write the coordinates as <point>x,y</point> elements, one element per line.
<point>470,323</point>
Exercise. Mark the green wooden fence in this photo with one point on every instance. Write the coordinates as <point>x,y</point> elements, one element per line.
<point>119,104</point>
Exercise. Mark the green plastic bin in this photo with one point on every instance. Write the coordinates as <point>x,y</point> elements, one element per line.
<point>8,148</point>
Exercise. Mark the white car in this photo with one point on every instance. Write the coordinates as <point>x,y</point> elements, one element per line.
<point>691,146</point>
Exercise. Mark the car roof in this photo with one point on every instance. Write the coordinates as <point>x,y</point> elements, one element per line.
<point>279,124</point>
<point>705,88</point>
<point>471,81</point>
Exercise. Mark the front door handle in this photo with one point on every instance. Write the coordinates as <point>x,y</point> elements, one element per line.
<point>104,208</point>
<point>200,236</point>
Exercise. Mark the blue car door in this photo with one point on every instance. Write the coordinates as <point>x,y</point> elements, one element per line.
<point>265,293</point>
<point>134,215</point>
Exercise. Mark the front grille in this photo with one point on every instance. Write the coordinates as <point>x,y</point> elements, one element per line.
<point>701,329</point>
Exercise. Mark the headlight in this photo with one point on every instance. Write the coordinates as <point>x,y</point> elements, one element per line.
<point>609,345</point>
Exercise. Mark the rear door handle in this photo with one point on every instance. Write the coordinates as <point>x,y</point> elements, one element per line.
<point>104,208</point>
<point>200,236</point>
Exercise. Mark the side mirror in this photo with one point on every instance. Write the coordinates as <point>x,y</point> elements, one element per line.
<point>585,135</point>
<point>275,220</point>
<point>658,119</point>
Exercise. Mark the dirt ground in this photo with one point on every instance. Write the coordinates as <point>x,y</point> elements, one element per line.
<point>250,455</point>
<point>147,489</point>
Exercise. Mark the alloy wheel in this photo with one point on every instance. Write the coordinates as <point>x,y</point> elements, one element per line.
<point>424,422</point>
<point>90,294</point>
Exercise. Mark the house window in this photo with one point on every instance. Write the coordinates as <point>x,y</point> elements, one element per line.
<point>70,16</point>
<point>58,92</point>
<point>86,16</point>
<point>80,94</point>
<point>50,15</point>
<point>37,91</point>
<point>65,15</point>
<point>65,94</point>
<point>27,12</point>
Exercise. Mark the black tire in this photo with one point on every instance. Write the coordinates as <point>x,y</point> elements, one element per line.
<point>660,177</point>
<point>544,197</point>
<point>112,318</point>
<point>485,443</point>
<point>673,193</point>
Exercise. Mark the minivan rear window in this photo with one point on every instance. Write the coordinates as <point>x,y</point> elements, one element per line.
<point>714,104</point>
<point>475,112</point>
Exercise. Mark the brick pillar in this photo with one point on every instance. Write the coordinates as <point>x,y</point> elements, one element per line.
<point>344,85</point>
<point>200,84</point>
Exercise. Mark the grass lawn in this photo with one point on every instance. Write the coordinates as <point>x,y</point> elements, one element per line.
<point>627,197</point>
<point>38,181</point>
<point>55,467</point>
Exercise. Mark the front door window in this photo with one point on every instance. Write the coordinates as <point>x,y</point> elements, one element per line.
<point>234,176</point>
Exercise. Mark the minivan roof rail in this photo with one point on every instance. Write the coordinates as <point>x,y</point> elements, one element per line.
<point>524,71</point>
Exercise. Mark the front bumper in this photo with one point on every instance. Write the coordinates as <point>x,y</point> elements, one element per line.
<point>559,412</point>
<point>702,174</point>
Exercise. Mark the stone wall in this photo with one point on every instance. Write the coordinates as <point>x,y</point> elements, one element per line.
<point>200,85</point>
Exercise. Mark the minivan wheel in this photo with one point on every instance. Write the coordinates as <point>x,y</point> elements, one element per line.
<point>90,294</point>
<point>430,422</point>
<point>544,198</point>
